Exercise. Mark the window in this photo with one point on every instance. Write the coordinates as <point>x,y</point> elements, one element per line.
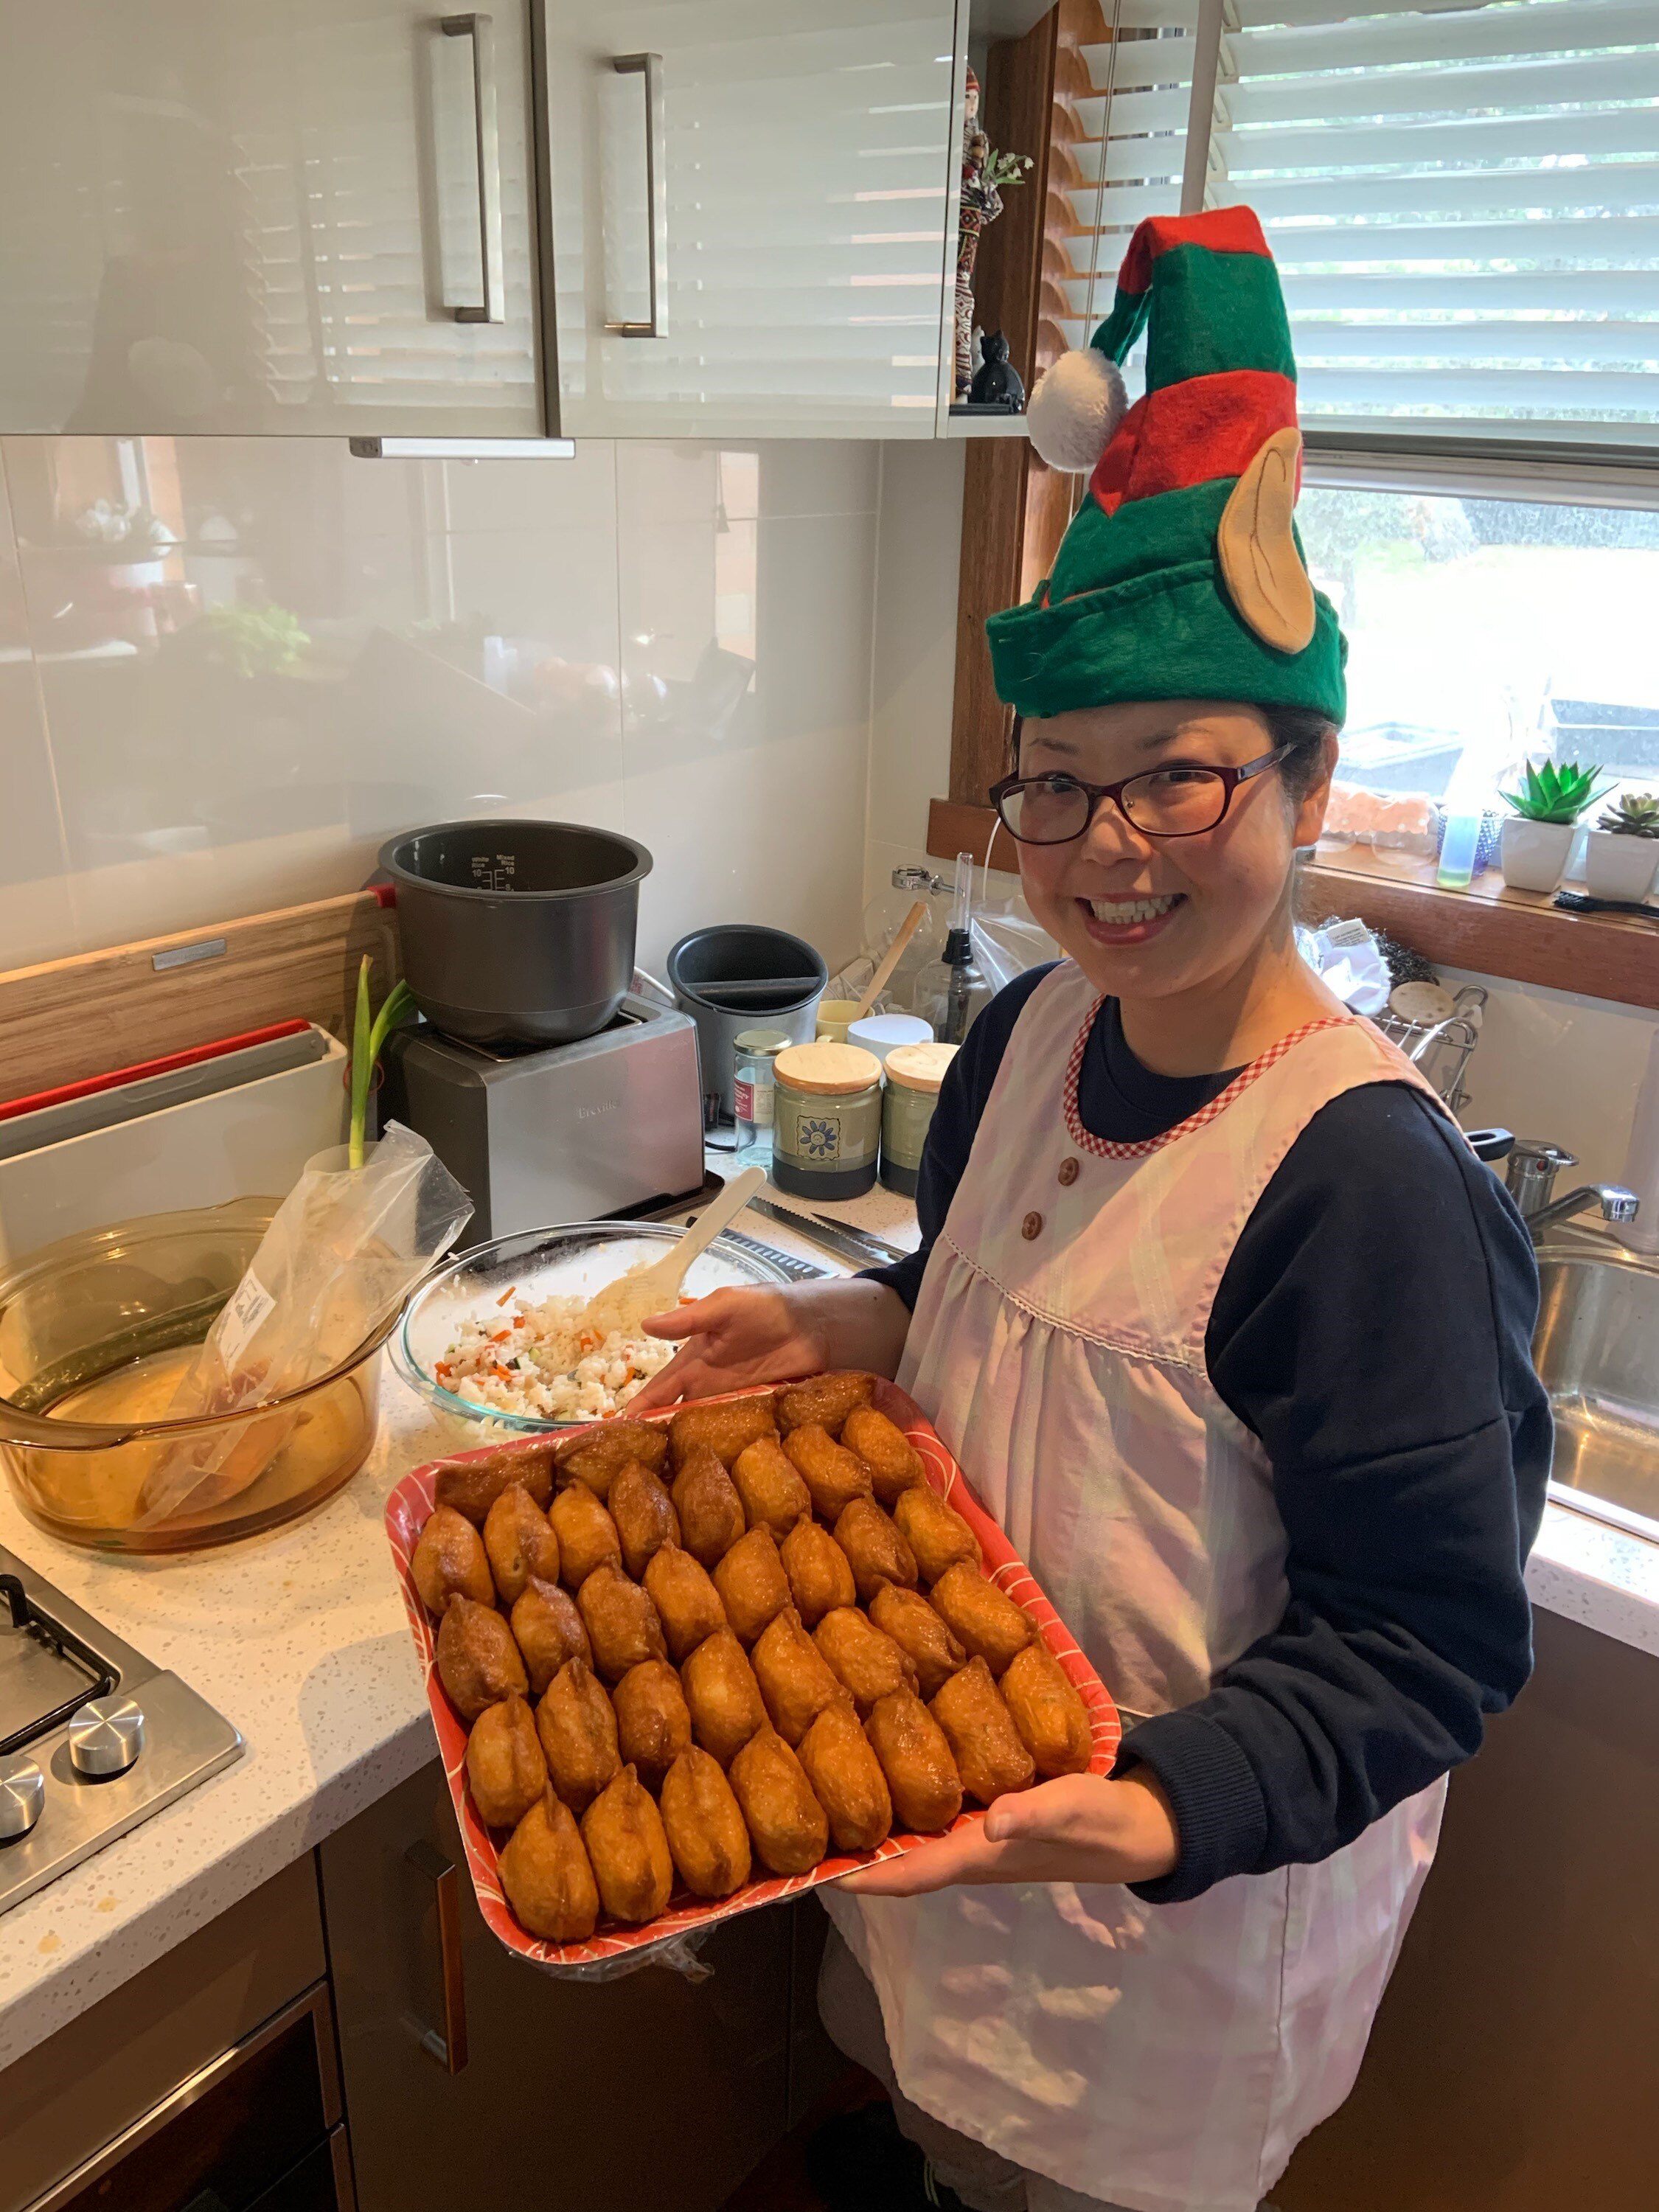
<point>1463,201</point>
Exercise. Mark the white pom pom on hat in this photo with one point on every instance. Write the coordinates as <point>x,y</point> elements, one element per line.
<point>1078,403</point>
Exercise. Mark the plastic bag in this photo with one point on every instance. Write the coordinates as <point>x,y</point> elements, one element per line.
<point>345,1248</point>
<point>678,1955</point>
<point>1348,960</point>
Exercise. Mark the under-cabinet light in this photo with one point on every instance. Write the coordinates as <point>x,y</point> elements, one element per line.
<point>463,449</point>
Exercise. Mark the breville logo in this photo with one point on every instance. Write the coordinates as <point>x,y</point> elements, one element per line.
<point>593,1113</point>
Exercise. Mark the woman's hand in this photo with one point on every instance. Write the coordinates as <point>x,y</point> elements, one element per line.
<point>733,1338</point>
<point>1081,1828</point>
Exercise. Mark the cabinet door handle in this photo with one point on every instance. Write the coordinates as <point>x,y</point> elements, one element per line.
<point>481,30</point>
<point>449,2049</point>
<point>649,66</point>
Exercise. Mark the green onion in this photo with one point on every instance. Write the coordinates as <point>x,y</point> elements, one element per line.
<point>368,1038</point>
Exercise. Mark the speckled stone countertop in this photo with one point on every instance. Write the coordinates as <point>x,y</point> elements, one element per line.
<point>298,1638</point>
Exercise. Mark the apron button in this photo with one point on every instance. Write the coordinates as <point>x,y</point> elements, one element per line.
<point>1069,1172</point>
<point>1032,1226</point>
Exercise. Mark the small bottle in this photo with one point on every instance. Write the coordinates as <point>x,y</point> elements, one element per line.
<point>753,1090</point>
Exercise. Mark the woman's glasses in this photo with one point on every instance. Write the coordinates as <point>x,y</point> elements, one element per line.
<point>1182,799</point>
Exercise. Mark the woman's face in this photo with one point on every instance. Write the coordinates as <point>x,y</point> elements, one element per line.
<point>1150,917</point>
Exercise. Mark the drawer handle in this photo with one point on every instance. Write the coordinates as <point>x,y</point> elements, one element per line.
<point>449,2049</point>
<point>649,66</point>
<point>481,30</point>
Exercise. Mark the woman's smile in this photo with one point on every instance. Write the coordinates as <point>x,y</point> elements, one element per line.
<point>1131,919</point>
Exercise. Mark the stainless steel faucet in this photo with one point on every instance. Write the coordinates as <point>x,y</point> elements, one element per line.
<point>1533,1167</point>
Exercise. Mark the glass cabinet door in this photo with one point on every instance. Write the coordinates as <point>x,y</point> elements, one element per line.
<point>749,205</point>
<point>265,216</point>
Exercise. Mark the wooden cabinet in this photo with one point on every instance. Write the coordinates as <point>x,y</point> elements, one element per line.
<point>633,2093</point>
<point>588,217</point>
<point>234,216</point>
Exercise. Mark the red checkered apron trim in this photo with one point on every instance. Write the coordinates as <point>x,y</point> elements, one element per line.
<point>1099,1147</point>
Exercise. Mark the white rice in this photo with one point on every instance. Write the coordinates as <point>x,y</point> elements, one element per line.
<point>535,1360</point>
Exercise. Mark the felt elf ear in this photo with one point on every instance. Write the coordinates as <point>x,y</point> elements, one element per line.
<point>1078,403</point>
<point>1257,548</point>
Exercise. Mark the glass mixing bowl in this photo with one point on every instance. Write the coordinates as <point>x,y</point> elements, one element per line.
<point>96,1333</point>
<point>571,1262</point>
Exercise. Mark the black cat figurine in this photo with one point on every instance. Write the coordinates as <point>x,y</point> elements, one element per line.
<point>996,382</point>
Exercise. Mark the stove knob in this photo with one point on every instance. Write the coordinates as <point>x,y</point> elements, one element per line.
<point>105,1737</point>
<point>22,1792</point>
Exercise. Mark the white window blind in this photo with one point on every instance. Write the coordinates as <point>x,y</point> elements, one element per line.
<point>1463,202</point>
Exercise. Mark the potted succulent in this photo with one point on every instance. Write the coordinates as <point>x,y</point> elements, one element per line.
<point>1622,851</point>
<point>1538,835</point>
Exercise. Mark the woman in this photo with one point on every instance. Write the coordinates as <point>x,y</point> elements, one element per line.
<point>1229,1330</point>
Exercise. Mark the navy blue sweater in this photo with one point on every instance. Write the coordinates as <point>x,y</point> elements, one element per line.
<point>1372,1328</point>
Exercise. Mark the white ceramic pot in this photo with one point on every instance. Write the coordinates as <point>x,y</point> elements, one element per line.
<point>1534,854</point>
<point>1618,866</point>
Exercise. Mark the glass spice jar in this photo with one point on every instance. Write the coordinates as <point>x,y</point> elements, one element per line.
<point>754,1052</point>
<point>826,1121</point>
<point>915,1073</point>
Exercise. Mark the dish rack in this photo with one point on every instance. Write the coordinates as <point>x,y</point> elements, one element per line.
<point>1440,1051</point>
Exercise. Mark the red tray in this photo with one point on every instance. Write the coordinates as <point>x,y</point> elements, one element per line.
<point>406,1512</point>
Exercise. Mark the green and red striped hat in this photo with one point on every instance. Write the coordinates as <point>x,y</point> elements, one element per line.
<point>1182,576</point>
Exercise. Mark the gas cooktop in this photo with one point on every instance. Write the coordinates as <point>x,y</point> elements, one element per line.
<point>93,1737</point>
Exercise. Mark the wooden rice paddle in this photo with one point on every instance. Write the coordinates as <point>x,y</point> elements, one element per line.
<point>889,959</point>
<point>634,1296</point>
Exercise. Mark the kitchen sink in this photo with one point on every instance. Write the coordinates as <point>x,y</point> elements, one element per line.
<point>1596,1349</point>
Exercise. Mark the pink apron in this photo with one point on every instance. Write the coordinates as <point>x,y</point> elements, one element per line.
<point>1166,2058</point>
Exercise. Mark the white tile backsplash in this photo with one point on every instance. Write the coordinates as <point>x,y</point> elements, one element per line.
<point>671,639</point>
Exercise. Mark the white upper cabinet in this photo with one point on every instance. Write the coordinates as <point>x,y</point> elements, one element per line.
<point>259,215</point>
<point>697,217</point>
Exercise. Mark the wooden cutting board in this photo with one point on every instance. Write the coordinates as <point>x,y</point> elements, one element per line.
<point>67,1019</point>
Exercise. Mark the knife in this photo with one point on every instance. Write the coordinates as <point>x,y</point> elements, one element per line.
<point>864,1236</point>
<point>845,1243</point>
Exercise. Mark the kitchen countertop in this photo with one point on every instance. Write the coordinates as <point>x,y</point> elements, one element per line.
<point>298,1638</point>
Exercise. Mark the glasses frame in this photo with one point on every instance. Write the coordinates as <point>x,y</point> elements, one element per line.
<point>1229,778</point>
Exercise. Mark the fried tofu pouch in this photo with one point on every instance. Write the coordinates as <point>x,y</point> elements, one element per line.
<point>936,1532</point>
<point>449,1560</point>
<point>885,1449</point>
<point>704,1824</point>
<point>505,1769</point>
<point>520,1542</point>
<point>751,1583</point>
<point>820,1573</point>
<point>621,1621</point>
<point>991,1757</point>
<point>795,1678</point>
<point>1051,1716</point>
<point>917,1762</point>
<point>834,1476</point>
<point>786,1822</point>
<point>875,1549</point>
<point>726,1429</point>
<point>822,1400</point>
<point>723,1695</point>
<point>774,1496</point>
<point>578,1732</point>
<point>548,1629</point>
<point>644,1515</point>
<point>597,1456</point>
<point>687,1604</point>
<point>478,1663</point>
<point>627,1850</point>
<point>710,1511</point>
<point>473,1485</point>
<point>847,1780</point>
<point>654,1725</point>
<point>926,1641</point>
<point>546,1873</point>
<point>587,1536</point>
<point>981,1616</point>
<point>866,1663</point>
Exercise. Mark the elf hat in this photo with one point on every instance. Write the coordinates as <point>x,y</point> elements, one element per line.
<point>1182,576</point>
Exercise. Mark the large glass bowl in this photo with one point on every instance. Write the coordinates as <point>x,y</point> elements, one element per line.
<point>573,1261</point>
<point>96,1331</point>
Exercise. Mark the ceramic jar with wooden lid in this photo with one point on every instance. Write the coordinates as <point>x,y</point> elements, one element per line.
<point>915,1073</point>
<point>826,1121</point>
